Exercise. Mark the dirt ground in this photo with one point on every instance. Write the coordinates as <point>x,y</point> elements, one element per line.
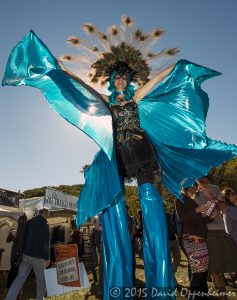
<point>92,293</point>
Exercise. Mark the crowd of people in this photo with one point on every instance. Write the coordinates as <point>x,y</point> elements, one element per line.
<point>34,253</point>
<point>203,225</point>
<point>208,218</point>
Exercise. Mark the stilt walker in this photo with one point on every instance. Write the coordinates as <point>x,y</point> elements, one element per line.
<point>151,123</point>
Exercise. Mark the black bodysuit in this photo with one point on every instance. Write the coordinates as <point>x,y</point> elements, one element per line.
<point>134,152</point>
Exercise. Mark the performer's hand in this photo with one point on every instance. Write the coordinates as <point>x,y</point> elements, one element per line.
<point>61,64</point>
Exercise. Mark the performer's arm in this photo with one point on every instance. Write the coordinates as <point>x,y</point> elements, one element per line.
<point>78,79</point>
<point>143,91</point>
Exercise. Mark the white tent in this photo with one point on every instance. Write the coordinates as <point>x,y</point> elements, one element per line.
<point>57,202</point>
<point>30,206</point>
<point>8,221</point>
<point>11,212</point>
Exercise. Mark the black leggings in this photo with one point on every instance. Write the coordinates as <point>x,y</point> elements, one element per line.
<point>198,284</point>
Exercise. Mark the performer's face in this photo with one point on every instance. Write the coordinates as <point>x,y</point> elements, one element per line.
<point>120,82</point>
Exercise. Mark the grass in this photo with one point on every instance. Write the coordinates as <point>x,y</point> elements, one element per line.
<point>93,293</point>
<point>181,278</point>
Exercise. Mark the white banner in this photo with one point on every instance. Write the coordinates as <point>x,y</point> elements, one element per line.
<point>56,199</point>
<point>53,288</point>
<point>67,270</point>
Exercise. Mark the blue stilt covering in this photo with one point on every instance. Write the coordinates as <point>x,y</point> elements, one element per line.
<point>117,252</point>
<point>156,253</point>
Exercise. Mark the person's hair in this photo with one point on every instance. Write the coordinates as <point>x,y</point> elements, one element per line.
<point>184,190</point>
<point>226,193</point>
<point>96,220</point>
<point>44,210</point>
<point>203,179</point>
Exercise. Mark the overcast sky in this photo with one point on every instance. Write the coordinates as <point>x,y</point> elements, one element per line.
<point>40,148</point>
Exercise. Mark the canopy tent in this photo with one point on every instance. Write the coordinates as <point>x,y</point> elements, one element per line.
<point>30,206</point>
<point>11,212</point>
<point>59,204</point>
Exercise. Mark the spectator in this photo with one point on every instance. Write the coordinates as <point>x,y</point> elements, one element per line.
<point>77,238</point>
<point>174,243</point>
<point>229,209</point>
<point>222,253</point>
<point>35,255</point>
<point>178,230</point>
<point>139,232</point>
<point>101,261</point>
<point>95,239</point>
<point>16,252</point>
<point>194,238</point>
<point>132,227</point>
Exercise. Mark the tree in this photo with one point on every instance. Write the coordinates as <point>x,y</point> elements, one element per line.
<point>225,175</point>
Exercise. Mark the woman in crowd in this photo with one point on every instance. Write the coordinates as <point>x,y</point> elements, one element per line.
<point>229,209</point>
<point>194,238</point>
<point>221,249</point>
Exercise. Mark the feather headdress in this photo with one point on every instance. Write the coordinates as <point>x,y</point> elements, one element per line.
<point>101,52</point>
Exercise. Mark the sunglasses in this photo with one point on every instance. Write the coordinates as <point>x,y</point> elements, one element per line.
<point>232,194</point>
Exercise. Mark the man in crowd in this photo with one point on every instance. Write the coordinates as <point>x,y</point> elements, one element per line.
<point>139,232</point>
<point>95,239</point>
<point>35,255</point>
<point>132,228</point>
<point>17,237</point>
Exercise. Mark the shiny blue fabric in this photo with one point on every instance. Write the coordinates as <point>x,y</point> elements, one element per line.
<point>181,167</point>
<point>177,106</point>
<point>117,252</point>
<point>97,194</point>
<point>32,64</point>
<point>173,116</point>
<point>156,252</point>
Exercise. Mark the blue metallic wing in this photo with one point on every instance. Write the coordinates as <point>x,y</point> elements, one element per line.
<point>102,187</point>
<point>173,115</point>
<point>177,107</point>
<point>32,64</point>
